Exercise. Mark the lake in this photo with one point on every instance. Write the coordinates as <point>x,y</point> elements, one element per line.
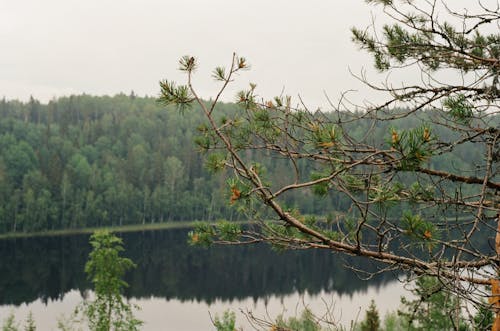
<point>179,286</point>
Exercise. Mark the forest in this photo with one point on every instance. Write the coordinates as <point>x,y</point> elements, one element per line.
<point>93,161</point>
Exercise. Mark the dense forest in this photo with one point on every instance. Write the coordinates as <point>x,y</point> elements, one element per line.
<point>87,161</point>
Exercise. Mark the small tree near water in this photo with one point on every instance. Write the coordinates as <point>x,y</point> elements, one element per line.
<point>10,324</point>
<point>372,320</point>
<point>106,268</point>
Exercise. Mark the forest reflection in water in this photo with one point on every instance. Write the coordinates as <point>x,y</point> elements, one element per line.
<point>47,268</point>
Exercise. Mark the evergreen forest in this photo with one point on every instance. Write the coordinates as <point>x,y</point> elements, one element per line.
<point>93,161</point>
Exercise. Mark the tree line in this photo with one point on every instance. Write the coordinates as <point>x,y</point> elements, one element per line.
<point>89,161</point>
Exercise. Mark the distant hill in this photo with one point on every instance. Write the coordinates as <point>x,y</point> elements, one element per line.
<point>86,161</point>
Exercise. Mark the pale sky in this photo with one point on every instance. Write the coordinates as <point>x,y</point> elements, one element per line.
<point>51,48</point>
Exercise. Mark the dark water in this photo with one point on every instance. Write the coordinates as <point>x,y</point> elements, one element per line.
<point>42,274</point>
<point>167,267</point>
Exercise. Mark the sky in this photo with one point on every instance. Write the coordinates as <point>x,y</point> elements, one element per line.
<point>52,48</point>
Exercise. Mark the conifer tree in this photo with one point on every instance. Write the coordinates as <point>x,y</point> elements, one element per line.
<point>372,319</point>
<point>448,219</point>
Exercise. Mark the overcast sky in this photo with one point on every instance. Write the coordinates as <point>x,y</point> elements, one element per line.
<point>60,47</point>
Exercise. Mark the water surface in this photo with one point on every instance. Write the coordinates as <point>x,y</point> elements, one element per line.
<point>178,285</point>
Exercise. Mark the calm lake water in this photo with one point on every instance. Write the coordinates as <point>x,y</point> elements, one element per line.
<point>178,286</point>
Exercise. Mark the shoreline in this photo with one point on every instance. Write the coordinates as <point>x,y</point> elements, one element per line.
<point>122,228</point>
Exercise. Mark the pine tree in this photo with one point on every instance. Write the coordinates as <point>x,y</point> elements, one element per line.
<point>399,199</point>
<point>372,319</point>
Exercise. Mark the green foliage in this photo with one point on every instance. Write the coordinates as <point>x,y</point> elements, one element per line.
<point>202,235</point>
<point>413,145</point>
<point>357,183</point>
<point>418,37</point>
<point>264,126</point>
<point>112,162</point>
<point>399,41</point>
<point>68,324</point>
<point>178,95</point>
<point>238,190</point>
<point>246,98</point>
<point>387,195</point>
<point>459,108</point>
<point>228,231</point>
<point>30,323</point>
<point>205,234</point>
<point>483,320</point>
<point>219,74</point>
<point>321,155</point>
<point>19,159</point>
<point>325,137</point>
<point>416,227</point>
<point>280,230</point>
<point>323,186</point>
<point>433,309</point>
<point>393,322</point>
<point>420,193</point>
<point>106,268</point>
<point>382,63</point>
<point>372,319</point>
<point>9,324</point>
<point>306,322</point>
<point>215,162</point>
<point>226,323</point>
<point>203,142</point>
<point>187,63</point>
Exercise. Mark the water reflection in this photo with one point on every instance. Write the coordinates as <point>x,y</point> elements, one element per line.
<point>48,267</point>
